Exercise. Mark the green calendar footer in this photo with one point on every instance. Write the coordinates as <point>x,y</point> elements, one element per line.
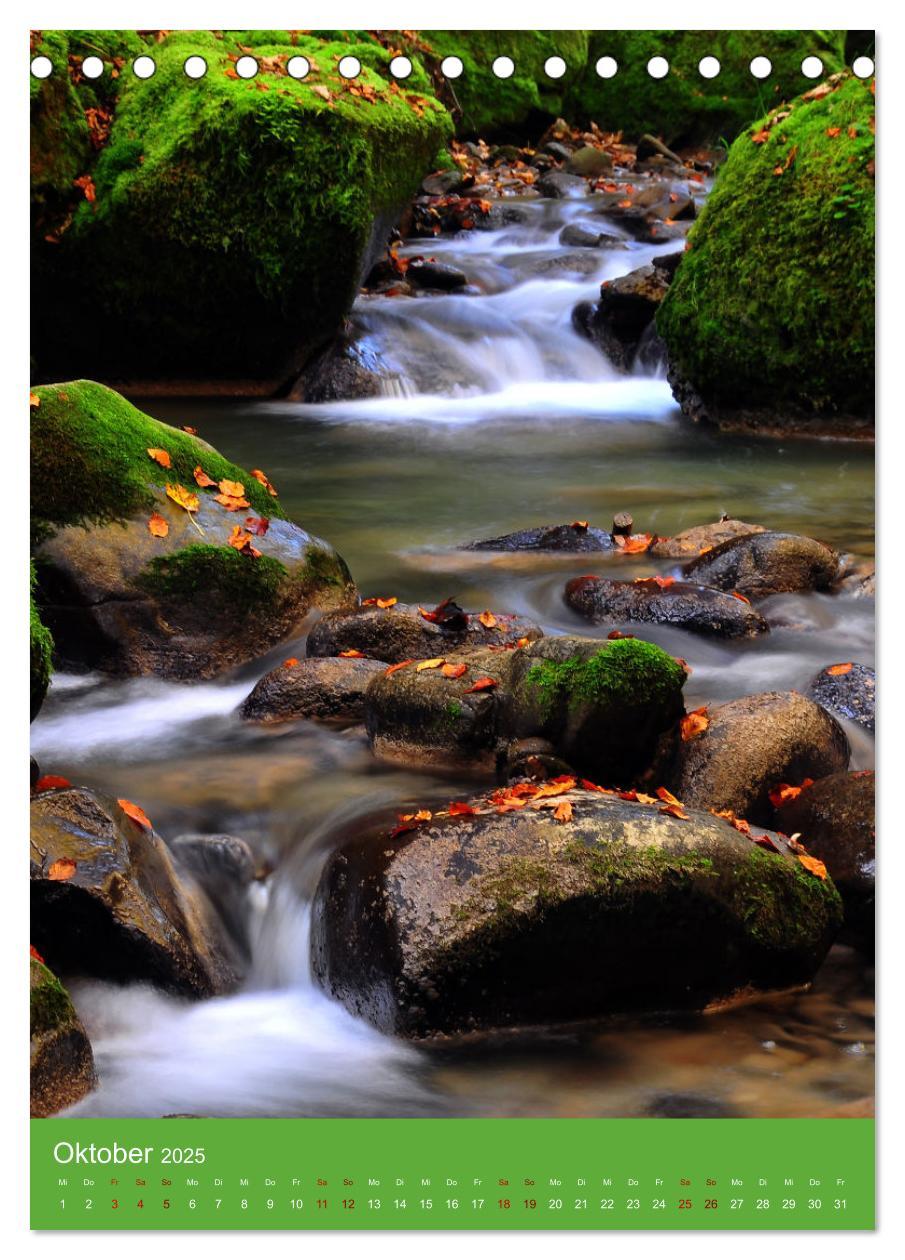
<point>452,1174</point>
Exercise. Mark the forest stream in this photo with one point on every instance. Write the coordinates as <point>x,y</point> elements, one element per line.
<point>496,416</point>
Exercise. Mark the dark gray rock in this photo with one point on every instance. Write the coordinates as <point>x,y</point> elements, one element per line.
<point>575,537</point>
<point>697,608</point>
<point>848,692</point>
<point>224,867</point>
<point>626,309</point>
<point>559,185</point>
<point>765,564</point>
<point>441,183</point>
<point>427,273</point>
<point>328,687</point>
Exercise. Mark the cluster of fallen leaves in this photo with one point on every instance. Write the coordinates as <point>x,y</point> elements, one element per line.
<point>65,867</point>
<point>448,669</point>
<point>231,496</point>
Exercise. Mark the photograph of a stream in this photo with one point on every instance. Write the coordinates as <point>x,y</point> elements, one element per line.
<point>453,605</point>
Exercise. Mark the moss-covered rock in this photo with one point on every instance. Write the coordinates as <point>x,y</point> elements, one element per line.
<point>41,645</point>
<point>229,221</point>
<point>62,1065</point>
<point>185,603</point>
<point>769,322</point>
<point>683,107</point>
<point>491,919</point>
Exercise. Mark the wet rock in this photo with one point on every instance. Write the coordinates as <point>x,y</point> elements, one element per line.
<point>182,604</point>
<point>835,819</point>
<point>224,866</point>
<point>860,584</point>
<point>753,744</point>
<point>766,563</point>
<point>533,758</point>
<point>441,183</point>
<point>476,921</point>
<point>318,687</point>
<point>701,538</point>
<point>560,185</point>
<point>578,262</point>
<point>575,537</point>
<point>429,274</point>
<point>589,162</point>
<point>604,706</point>
<point>848,690</point>
<point>345,370</point>
<point>698,608</point>
<point>558,150</point>
<point>626,308</point>
<point>422,717</point>
<point>584,236</point>
<point>669,262</point>
<point>401,633</point>
<point>62,1064</point>
<point>107,900</point>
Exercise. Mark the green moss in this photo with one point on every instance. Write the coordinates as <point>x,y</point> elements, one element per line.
<point>781,905</point>
<point>90,462</point>
<point>232,218</point>
<point>454,709</point>
<point>41,642</point>
<point>49,1003</point>
<point>622,673</point>
<point>684,107</point>
<point>773,305</point>
<point>236,581</point>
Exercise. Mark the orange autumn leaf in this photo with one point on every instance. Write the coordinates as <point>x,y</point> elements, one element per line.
<point>230,503</point>
<point>460,809</point>
<point>634,543</point>
<point>377,602</point>
<point>453,671</point>
<point>761,137</point>
<point>239,538</point>
<point>160,456</point>
<point>767,842</point>
<point>183,497</point>
<point>290,661</point>
<point>833,132</point>
<point>523,643</point>
<point>391,669</point>
<point>48,782</point>
<point>264,480</point>
<point>434,663</point>
<point>787,792</point>
<point>694,724</point>
<point>135,812</point>
<point>482,684</point>
<point>591,787</point>
<point>675,811</point>
<point>738,595</point>
<point>232,489</point>
<point>158,525</point>
<point>555,787</point>
<point>580,526</point>
<point>187,428</point>
<point>563,811</point>
<point>423,815</point>
<point>813,865</point>
<point>257,525</point>
<point>33,400</point>
<point>353,654</point>
<point>487,619</point>
<point>667,796</point>
<point>62,868</point>
<point>835,670</point>
<point>202,478</point>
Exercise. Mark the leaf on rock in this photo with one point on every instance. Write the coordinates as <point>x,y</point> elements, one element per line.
<point>257,525</point>
<point>391,669</point>
<point>675,811</point>
<point>232,489</point>
<point>667,796</point>
<point>813,865</point>
<point>434,663</point>
<point>487,619</point>
<point>460,809</point>
<point>202,479</point>
<point>322,91</point>
<point>290,661</point>
<point>136,813</point>
<point>48,782</point>
<point>377,602</point>
<point>633,543</point>
<point>61,869</point>
<point>230,503</point>
<point>160,456</point>
<point>447,615</point>
<point>353,654</point>
<point>158,525</point>
<point>33,400</point>
<point>183,497</point>
<point>453,671</point>
<point>580,527</point>
<point>563,811</point>
<point>767,842</point>
<point>423,815</point>
<point>694,724</point>
<point>482,684</point>
<point>738,595</point>
<point>836,670</point>
<point>787,792</point>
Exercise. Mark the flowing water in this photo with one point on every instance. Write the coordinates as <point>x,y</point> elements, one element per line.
<point>496,416</point>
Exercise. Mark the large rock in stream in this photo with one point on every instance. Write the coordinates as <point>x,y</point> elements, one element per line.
<point>131,582</point>
<point>324,687</point>
<point>498,916</point>
<point>108,900</point>
<point>626,309</point>
<point>664,602</point>
<point>847,689</point>
<point>766,563</point>
<point>62,1064</point>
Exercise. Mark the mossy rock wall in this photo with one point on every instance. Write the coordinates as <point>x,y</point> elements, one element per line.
<point>41,652</point>
<point>683,107</point>
<point>231,220</point>
<point>770,318</point>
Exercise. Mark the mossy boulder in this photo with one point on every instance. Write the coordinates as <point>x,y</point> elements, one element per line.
<point>41,652</point>
<point>62,1065</point>
<point>769,322</point>
<point>604,706</point>
<point>491,919</point>
<point>684,107</point>
<point>109,900</point>
<point>182,605</point>
<point>228,222</point>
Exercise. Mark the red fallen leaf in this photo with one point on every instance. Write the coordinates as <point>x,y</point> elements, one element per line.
<point>482,684</point>
<point>675,811</point>
<point>257,525</point>
<point>761,137</point>
<point>694,724</point>
<point>136,813</point>
<point>391,669</point>
<point>738,595</point>
<point>290,661</point>
<point>835,670</point>
<point>187,428</point>
<point>86,183</point>
<point>487,619</point>
<point>447,615</point>
<point>378,602</point>
<point>580,527</point>
<point>62,868</point>
<point>592,787</point>
<point>665,795</point>
<point>202,479</point>
<point>460,809</point>
<point>563,811</point>
<point>160,456</point>
<point>453,671</point>
<point>787,792</point>
<point>833,132</point>
<point>33,400</point>
<point>158,525</point>
<point>34,953</point>
<point>617,634</point>
<point>767,842</point>
<point>48,782</point>
<point>813,865</point>
<point>555,787</point>
<point>353,654</point>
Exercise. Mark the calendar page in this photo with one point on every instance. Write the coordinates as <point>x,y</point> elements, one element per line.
<point>452,629</point>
